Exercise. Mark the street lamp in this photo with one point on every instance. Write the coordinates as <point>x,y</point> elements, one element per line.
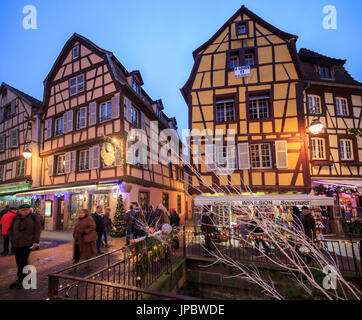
<point>27,153</point>
<point>316,126</point>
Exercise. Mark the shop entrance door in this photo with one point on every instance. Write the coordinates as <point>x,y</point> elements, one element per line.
<point>60,213</point>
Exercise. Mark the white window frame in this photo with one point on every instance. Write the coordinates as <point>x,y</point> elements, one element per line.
<point>249,56</point>
<point>60,160</point>
<point>134,116</point>
<point>20,167</point>
<point>261,156</point>
<point>77,85</point>
<point>84,163</point>
<point>329,71</point>
<point>238,29</point>
<point>75,49</point>
<point>224,104</point>
<point>314,108</point>
<point>318,149</point>
<point>346,148</point>
<point>340,107</point>
<point>234,57</point>
<point>79,112</point>
<point>257,100</point>
<point>108,107</point>
<point>56,134</point>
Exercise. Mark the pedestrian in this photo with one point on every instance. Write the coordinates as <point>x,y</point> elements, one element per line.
<point>129,221</point>
<point>139,223</point>
<point>174,218</point>
<point>208,229</point>
<point>85,237</point>
<point>309,227</point>
<point>153,218</point>
<point>24,232</point>
<point>258,232</point>
<point>42,220</point>
<point>98,219</point>
<point>108,225</point>
<point>5,223</point>
<point>4,211</point>
<point>162,217</point>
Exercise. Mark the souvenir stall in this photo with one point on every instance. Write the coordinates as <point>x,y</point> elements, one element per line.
<point>228,209</point>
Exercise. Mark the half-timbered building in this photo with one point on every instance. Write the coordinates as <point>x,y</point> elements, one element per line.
<point>19,131</point>
<point>91,103</point>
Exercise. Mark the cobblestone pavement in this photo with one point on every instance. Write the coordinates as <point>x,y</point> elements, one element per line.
<point>56,254</point>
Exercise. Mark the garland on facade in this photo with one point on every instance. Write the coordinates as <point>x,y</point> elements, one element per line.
<point>356,131</point>
<point>119,220</point>
<point>330,190</point>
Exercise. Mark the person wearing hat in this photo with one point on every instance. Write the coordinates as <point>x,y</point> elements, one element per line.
<point>24,232</point>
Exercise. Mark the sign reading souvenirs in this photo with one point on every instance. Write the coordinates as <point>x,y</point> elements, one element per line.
<point>243,71</point>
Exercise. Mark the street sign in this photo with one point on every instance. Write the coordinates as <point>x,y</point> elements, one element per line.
<point>243,71</point>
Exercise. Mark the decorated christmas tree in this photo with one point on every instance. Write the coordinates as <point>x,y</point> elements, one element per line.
<point>119,220</point>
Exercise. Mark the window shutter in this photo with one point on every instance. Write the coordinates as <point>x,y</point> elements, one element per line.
<point>48,131</point>
<point>1,114</point>
<point>73,161</point>
<point>70,121</point>
<point>13,107</point>
<point>231,165</point>
<point>92,113</point>
<point>50,166</point>
<point>128,109</point>
<point>115,107</point>
<point>94,157</point>
<point>281,151</point>
<point>210,157</point>
<point>67,162</point>
<point>83,118</point>
<point>14,139</point>
<point>1,172</point>
<point>65,122</point>
<point>143,121</point>
<point>243,156</point>
<point>2,143</point>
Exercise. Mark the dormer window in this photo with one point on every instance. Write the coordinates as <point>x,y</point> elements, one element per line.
<point>241,29</point>
<point>325,73</point>
<point>159,112</point>
<point>136,87</point>
<point>75,52</point>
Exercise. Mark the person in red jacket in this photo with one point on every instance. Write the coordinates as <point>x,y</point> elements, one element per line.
<point>6,222</point>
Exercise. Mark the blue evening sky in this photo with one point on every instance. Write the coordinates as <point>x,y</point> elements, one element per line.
<point>157,37</point>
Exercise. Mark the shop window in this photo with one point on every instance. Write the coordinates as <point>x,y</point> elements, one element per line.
<point>165,200</point>
<point>345,147</point>
<point>318,149</point>
<point>261,156</point>
<point>99,199</point>
<point>77,203</point>
<point>144,199</point>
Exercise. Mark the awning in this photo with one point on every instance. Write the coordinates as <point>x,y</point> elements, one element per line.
<point>348,183</point>
<point>64,189</point>
<point>10,189</point>
<point>265,200</point>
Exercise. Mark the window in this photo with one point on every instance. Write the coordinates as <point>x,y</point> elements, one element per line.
<point>345,147</point>
<point>84,160</point>
<point>225,111</point>
<point>341,105</point>
<point>226,157</point>
<point>136,87</point>
<point>1,172</point>
<point>241,29</point>
<point>314,104</point>
<point>170,170</point>
<point>82,118</point>
<point>234,60</point>
<point>261,156</point>
<point>159,112</point>
<point>76,85</point>
<point>14,139</point>
<point>144,199</point>
<point>259,107</point>
<point>249,59</point>
<point>75,52</point>
<point>20,168</point>
<point>325,73</point>
<point>61,164</point>
<point>58,126</point>
<point>179,204</point>
<point>2,143</point>
<point>165,200</point>
<point>134,116</point>
<point>105,111</point>
<point>318,149</point>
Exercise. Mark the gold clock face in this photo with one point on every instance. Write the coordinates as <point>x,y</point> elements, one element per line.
<point>108,154</point>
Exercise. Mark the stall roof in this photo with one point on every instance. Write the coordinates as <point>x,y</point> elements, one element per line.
<point>266,200</point>
<point>354,183</point>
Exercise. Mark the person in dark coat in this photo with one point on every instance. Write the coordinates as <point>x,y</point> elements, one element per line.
<point>174,218</point>
<point>85,237</point>
<point>108,225</point>
<point>208,229</point>
<point>129,221</point>
<point>139,222</point>
<point>24,232</point>
<point>258,233</point>
<point>308,224</point>
<point>98,219</point>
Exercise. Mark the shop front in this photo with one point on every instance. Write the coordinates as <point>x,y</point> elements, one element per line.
<point>8,195</point>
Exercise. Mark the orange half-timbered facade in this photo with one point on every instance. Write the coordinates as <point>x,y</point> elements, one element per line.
<point>19,129</point>
<point>264,107</point>
<point>91,103</point>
